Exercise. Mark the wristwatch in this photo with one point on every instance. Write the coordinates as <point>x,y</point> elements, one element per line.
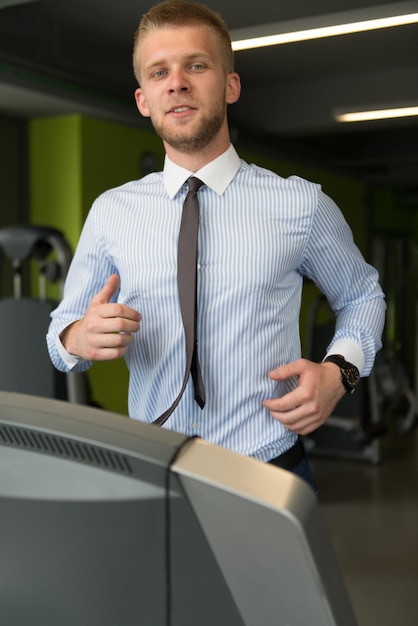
<point>350,376</point>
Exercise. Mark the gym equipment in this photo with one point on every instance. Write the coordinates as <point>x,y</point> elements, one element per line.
<point>25,366</point>
<point>360,420</point>
<point>354,429</point>
<point>106,520</point>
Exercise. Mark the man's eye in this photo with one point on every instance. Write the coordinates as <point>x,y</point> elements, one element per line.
<point>198,66</point>
<point>159,73</point>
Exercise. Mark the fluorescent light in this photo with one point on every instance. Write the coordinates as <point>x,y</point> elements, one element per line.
<point>379,114</point>
<point>325,31</point>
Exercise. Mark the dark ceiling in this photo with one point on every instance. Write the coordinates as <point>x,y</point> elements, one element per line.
<point>60,57</point>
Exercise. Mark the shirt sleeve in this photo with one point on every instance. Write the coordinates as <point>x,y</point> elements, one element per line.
<point>335,264</point>
<point>88,273</point>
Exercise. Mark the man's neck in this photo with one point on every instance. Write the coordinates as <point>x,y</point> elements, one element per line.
<point>194,161</point>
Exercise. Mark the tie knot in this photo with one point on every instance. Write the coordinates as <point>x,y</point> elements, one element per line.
<point>194,183</point>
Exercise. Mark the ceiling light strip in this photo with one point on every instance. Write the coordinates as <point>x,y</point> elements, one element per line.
<point>379,114</point>
<point>325,31</point>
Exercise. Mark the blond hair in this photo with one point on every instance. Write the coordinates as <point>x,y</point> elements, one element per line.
<point>179,13</point>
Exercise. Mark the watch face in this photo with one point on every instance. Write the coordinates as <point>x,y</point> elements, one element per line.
<point>352,376</point>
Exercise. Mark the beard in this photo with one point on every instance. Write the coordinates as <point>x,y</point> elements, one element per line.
<point>192,140</point>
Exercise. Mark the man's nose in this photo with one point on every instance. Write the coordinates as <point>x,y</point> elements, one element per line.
<point>179,81</point>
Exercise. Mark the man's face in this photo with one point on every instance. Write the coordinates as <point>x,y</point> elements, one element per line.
<point>184,87</point>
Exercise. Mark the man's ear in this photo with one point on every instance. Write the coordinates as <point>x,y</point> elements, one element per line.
<point>141,103</point>
<point>233,87</point>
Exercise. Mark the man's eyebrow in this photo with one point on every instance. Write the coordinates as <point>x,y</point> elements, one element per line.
<point>198,55</point>
<point>188,58</point>
<point>153,65</point>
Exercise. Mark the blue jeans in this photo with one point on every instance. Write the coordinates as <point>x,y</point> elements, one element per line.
<point>301,467</point>
<point>303,470</point>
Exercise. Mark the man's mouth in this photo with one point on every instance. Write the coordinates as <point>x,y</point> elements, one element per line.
<point>181,109</point>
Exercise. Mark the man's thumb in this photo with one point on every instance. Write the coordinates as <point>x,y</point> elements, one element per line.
<point>105,295</point>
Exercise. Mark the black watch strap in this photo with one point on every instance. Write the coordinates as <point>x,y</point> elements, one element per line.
<point>350,375</point>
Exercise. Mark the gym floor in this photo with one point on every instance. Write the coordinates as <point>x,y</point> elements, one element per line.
<point>371,512</point>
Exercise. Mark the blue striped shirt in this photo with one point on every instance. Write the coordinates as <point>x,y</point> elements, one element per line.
<point>259,234</point>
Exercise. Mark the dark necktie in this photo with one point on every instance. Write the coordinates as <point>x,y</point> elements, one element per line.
<point>187,286</point>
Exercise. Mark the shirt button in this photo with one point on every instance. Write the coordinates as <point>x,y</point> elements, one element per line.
<point>199,267</point>
<point>194,425</point>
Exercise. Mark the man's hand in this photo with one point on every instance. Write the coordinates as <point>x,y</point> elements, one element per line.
<point>105,331</point>
<point>309,405</point>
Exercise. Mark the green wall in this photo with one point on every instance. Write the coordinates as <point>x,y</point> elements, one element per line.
<point>13,185</point>
<point>55,151</point>
<point>392,214</point>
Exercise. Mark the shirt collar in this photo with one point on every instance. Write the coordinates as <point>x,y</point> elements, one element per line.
<point>217,174</point>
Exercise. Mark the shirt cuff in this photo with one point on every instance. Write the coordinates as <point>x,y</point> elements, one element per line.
<point>69,359</point>
<point>351,352</point>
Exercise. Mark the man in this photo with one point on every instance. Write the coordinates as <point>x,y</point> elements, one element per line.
<point>258,235</point>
